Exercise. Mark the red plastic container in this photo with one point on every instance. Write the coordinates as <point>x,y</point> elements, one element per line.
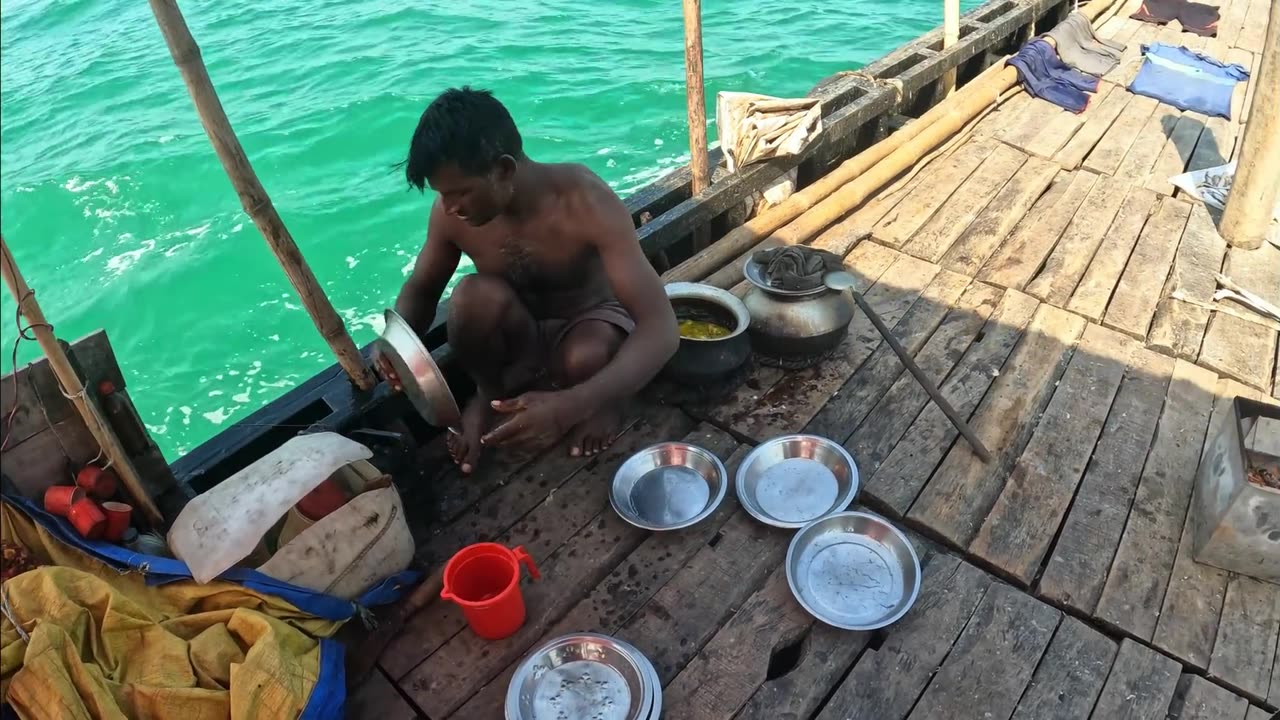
<point>88,519</point>
<point>324,499</point>
<point>484,580</point>
<point>118,517</point>
<point>96,481</point>
<point>59,499</point>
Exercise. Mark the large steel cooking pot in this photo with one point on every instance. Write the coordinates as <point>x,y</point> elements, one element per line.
<point>418,373</point>
<point>794,324</point>
<point>699,361</point>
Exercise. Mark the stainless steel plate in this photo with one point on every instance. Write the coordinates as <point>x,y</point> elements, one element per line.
<point>792,480</point>
<point>853,570</point>
<point>668,486</point>
<point>418,373</point>
<point>582,677</point>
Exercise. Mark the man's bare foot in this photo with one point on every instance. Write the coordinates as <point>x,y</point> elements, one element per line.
<point>465,448</point>
<point>596,433</point>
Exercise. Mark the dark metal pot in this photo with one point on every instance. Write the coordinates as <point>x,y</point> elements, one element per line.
<point>706,361</point>
<point>795,324</point>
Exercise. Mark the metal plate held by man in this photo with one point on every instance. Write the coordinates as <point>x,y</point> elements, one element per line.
<point>419,375</point>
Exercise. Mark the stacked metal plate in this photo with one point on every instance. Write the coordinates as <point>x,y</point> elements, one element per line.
<point>585,676</point>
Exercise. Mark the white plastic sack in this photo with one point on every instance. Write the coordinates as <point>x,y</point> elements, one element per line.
<point>755,127</point>
<point>1211,186</point>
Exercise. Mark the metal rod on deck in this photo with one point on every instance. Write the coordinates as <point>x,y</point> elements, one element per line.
<point>1256,186</point>
<point>950,36</point>
<point>696,100</point>
<point>253,197</point>
<point>74,390</point>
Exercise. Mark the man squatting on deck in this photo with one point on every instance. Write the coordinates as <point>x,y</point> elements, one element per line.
<point>564,319</point>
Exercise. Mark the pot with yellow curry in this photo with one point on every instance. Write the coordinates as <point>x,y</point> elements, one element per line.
<point>713,334</point>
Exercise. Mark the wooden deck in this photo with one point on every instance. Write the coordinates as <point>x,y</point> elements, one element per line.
<point>1045,274</point>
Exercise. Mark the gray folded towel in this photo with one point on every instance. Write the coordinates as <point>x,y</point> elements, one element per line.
<point>1080,48</point>
<point>795,267</point>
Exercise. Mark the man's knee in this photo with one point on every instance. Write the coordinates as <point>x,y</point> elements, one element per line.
<point>477,308</point>
<point>586,349</point>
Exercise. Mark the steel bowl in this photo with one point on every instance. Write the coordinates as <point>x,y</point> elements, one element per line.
<point>584,675</point>
<point>668,486</point>
<point>853,570</point>
<point>421,378</point>
<point>792,480</point>
<point>701,361</point>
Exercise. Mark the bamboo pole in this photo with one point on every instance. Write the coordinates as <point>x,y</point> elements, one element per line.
<point>696,102</point>
<point>950,36</point>
<point>1256,186</point>
<point>253,197</point>
<point>850,183</point>
<point>72,387</point>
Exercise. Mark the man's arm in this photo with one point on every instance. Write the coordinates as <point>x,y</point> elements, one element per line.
<point>436,263</point>
<point>638,287</point>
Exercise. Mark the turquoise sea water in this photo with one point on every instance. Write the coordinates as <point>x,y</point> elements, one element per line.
<point>120,216</point>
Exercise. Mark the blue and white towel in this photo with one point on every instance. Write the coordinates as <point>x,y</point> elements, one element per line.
<point>1187,80</point>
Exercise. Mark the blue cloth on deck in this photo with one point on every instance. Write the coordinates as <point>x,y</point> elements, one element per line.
<point>1044,75</point>
<point>1187,80</point>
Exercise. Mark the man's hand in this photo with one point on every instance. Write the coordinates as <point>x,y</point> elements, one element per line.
<point>535,420</point>
<point>384,368</point>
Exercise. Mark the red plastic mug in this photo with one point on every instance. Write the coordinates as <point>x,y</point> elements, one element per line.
<point>100,483</point>
<point>118,516</point>
<point>484,580</point>
<point>59,499</point>
<point>88,519</point>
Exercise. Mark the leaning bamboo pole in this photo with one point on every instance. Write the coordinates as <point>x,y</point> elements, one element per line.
<point>1256,186</point>
<point>73,388</point>
<point>810,210</point>
<point>950,36</point>
<point>253,197</point>
<point>696,107</point>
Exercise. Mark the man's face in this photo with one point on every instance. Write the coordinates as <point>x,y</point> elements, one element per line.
<point>473,199</point>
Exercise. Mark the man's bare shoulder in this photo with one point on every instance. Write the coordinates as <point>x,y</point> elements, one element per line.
<point>586,199</point>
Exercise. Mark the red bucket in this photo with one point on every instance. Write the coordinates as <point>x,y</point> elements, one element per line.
<point>484,580</point>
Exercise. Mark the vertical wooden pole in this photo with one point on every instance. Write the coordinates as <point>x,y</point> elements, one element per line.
<point>696,102</point>
<point>1256,185</point>
<point>62,369</point>
<point>950,36</point>
<point>253,197</point>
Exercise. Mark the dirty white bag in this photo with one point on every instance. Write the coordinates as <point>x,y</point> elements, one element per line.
<point>755,127</point>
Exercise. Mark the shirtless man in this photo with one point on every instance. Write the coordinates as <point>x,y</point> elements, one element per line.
<point>562,297</point>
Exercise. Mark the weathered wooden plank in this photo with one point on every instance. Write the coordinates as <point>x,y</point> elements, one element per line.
<point>1009,625</point>
<point>897,226</point>
<point>378,698</point>
<point>1111,149</point>
<point>541,531</point>
<point>1140,687</point>
<point>1229,22</point>
<point>1135,588</point>
<point>631,584</point>
<point>1055,282</point>
<point>675,623</point>
<point>734,663</point>
<point>898,480</point>
<point>1236,346</point>
<point>1178,326</point>
<point>885,683</point>
<point>1176,153</point>
<point>1001,215</point>
<point>1199,699</point>
<point>1094,291</point>
<point>1029,123</point>
<point>1254,27</point>
<point>1078,565</point>
<point>1016,261</point>
<point>890,417</point>
<point>825,656</point>
<point>1025,518</point>
<point>1131,59</point>
<point>1060,128</point>
<point>1245,649</point>
<point>1070,676</point>
<point>1138,291</point>
<point>867,263</point>
<point>933,238</point>
<point>1215,146</point>
<point>1147,146</point>
<point>962,490</point>
<point>1257,713</point>
<point>1096,123</point>
<point>849,405</point>
<point>798,396</point>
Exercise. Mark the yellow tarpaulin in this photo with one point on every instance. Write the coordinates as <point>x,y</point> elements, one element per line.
<point>102,644</point>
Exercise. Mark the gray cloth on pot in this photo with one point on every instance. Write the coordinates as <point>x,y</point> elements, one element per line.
<point>796,267</point>
<point>1079,47</point>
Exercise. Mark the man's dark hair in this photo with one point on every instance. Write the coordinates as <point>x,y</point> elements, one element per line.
<point>466,127</point>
